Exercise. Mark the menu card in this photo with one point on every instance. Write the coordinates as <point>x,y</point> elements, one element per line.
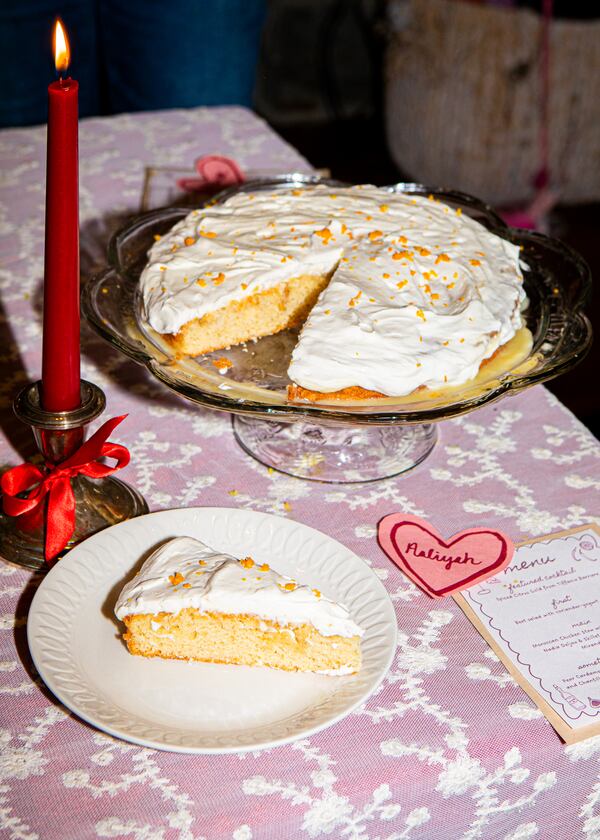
<point>541,616</point>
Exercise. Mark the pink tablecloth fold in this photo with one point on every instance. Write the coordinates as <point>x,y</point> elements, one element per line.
<point>449,747</point>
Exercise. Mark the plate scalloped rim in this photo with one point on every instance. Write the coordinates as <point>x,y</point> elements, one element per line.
<point>59,652</point>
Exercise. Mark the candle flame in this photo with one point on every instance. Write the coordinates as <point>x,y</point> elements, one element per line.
<point>62,51</point>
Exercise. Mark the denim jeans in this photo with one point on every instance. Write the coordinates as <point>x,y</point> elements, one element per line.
<point>130,55</point>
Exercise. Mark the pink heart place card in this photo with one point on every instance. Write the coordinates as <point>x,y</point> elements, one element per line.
<point>541,616</point>
<point>439,565</point>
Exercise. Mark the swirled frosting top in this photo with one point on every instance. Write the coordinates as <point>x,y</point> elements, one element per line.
<point>185,572</point>
<point>420,295</point>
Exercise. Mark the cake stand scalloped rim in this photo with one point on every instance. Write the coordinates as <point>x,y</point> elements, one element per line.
<point>575,321</point>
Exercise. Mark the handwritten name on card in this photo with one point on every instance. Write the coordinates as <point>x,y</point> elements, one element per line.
<point>441,566</point>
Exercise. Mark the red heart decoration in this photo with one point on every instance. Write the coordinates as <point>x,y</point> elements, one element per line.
<point>440,567</point>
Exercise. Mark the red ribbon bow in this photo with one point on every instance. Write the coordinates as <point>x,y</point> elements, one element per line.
<point>55,482</point>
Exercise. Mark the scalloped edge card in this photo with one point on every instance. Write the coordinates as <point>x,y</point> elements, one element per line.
<point>541,617</point>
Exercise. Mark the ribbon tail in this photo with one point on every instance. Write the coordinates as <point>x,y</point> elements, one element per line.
<point>60,519</point>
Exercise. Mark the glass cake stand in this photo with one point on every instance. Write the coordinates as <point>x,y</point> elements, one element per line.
<point>338,442</point>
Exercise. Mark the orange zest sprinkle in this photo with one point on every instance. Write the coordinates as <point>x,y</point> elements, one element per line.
<point>200,282</point>
<point>219,279</point>
<point>296,192</point>
<point>202,562</point>
<point>424,252</point>
<point>435,296</point>
<point>386,276</point>
<point>289,586</point>
<point>316,593</point>
<point>462,340</point>
<point>402,255</point>
<point>187,586</point>
<point>157,236</point>
<point>445,343</point>
<point>458,211</point>
<point>325,235</point>
<point>354,300</point>
<point>384,208</point>
<point>475,262</point>
<point>222,363</point>
<point>451,285</point>
<point>247,562</point>
<point>287,506</point>
<point>442,258</point>
<point>402,240</point>
<point>209,234</point>
<point>244,286</point>
<point>421,314</point>
<point>375,234</point>
<point>401,284</point>
<point>265,567</point>
<point>176,578</point>
<point>328,312</point>
<point>189,240</point>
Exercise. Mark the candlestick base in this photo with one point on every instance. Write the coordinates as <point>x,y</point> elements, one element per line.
<point>99,502</point>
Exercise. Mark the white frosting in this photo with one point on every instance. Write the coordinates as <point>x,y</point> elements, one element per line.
<point>220,583</point>
<point>420,297</point>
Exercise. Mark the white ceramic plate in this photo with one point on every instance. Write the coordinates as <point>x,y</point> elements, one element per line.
<point>76,646</point>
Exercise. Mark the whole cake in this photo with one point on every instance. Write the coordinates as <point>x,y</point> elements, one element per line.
<point>190,602</point>
<point>394,292</point>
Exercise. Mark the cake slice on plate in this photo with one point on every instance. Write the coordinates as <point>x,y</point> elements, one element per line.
<point>191,602</point>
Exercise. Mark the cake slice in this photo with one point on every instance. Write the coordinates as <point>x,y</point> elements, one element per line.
<point>191,602</point>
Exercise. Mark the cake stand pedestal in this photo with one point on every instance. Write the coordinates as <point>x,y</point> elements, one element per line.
<point>334,453</point>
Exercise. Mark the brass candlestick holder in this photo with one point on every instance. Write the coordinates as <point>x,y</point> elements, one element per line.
<point>99,502</point>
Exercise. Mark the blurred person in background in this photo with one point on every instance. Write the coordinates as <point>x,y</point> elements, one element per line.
<point>130,55</point>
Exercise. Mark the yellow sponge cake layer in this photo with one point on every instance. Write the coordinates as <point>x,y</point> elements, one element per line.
<point>263,313</point>
<point>240,640</point>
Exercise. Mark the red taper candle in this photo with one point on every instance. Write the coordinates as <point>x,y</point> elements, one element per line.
<point>61,351</point>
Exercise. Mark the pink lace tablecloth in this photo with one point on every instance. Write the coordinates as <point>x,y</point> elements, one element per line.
<point>450,747</point>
